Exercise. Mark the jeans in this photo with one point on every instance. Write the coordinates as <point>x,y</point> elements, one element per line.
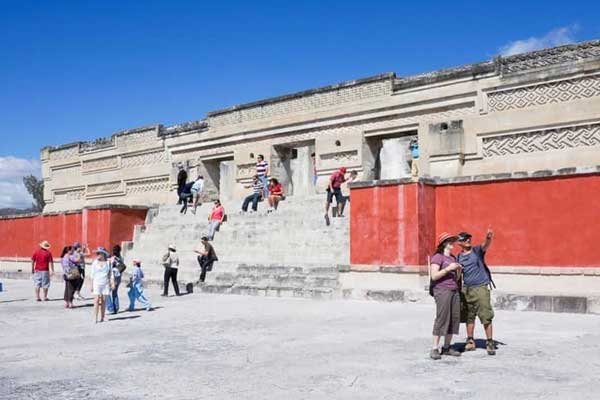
<point>185,198</point>
<point>254,197</point>
<point>205,265</point>
<point>112,300</point>
<point>213,225</point>
<point>265,182</point>
<point>170,275</point>
<point>136,292</point>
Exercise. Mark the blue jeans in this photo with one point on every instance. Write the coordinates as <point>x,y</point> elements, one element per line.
<point>136,292</point>
<point>112,300</point>
<point>213,225</point>
<point>265,182</point>
<point>254,197</point>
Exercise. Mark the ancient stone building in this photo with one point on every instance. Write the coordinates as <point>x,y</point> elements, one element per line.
<point>525,112</point>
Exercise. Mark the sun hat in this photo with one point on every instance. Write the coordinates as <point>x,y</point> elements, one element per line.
<point>102,250</point>
<point>445,236</point>
<point>172,247</point>
<point>45,245</point>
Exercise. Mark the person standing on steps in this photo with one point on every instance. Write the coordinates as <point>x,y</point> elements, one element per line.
<point>335,189</point>
<point>136,288</point>
<point>257,190</point>
<point>263,172</point>
<point>102,282</point>
<point>197,189</point>
<point>275,195</point>
<point>215,219</point>
<point>346,193</point>
<point>42,268</point>
<point>181,181</point>
<point>445,276</point>
<point>206,257</point>
<point>185,196</point>
<point>171,263</point>
<point>477,282</point>
<point>118,267</point>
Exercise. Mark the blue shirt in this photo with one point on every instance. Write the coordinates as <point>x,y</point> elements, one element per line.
<point>474,271</point>
<point>137,275</point>
<point>414,150</point>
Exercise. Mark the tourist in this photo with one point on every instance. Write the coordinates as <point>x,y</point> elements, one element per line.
<point>263,171</point>
<point>136,288</point>
<point>215,219</point>
<point>196,190</point>
<point>42,266</point>
<point>315,176</point>
<point>185,196</point>
<point>445,275</point>
<point>257,190</point>
<point>275,194</point>
<point>118,267</point>
<point>181,181</point>
<point>346,193</point>
<point>477,280</point>
<point>414,152</point>
<point>71,275</point>
<point>170,262</point>
<point>102,281</point>
<point>206,258</point>
<point>335,189</point>
<point>78,257</point>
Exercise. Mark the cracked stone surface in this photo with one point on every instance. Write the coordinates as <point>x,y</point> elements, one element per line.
<point>237,347</point>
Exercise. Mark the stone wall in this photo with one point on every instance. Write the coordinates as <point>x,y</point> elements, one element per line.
<point>522,113</point>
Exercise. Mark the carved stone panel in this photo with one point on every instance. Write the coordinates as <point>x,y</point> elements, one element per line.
<point>103,188</point>
<point>64,153</point>
<point>137,160</point>
<point>542,140</point>
<point>343,156</point>
<point>100,164</point>
<point>160,184</point>
<point>69,195</point>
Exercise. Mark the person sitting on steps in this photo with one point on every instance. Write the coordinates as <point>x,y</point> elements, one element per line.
<point>206,257</point>
<point>257,190</point>
<point>275,194</point>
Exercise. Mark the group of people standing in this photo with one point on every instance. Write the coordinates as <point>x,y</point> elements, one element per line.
<point>461,287</point>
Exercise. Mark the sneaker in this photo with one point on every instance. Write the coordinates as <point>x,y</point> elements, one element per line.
<point>434,354</point>
<point>164,295</point>
<point>449,351</point>
<point>470,346</point>
<point>327,221</point>
<point>491,347</point>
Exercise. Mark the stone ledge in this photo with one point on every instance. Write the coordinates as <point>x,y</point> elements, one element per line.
<point>503,270</point>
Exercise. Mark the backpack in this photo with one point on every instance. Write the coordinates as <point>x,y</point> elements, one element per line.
<point>487,269</point>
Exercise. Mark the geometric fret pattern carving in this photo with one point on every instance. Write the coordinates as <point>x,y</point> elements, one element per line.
<point>544,93</point>
<point>64,153</point>
<point>69,195</point>
<point>104,187</point>
<point>140,137</point>
<point>347,156</point>
<point>548,57</point>
<point>137,160</point>
<point>543,140</point>
<point>63,174</point>
<point>100,163</point>
<point>245,170</point>
<point>149,185</point>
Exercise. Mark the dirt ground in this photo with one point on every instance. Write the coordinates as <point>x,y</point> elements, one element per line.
<point>234,347</point>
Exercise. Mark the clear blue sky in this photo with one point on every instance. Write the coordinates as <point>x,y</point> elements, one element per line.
<point>77,70</point>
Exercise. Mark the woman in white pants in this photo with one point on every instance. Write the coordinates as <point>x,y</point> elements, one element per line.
<point>102,282</point>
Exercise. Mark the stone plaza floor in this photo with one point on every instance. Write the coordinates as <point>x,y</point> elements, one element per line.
<point>233,347</point>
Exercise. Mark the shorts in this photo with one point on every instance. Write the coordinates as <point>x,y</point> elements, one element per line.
<point>100,289</point>
<point>195,192</point>
<point>41,279</point>
<point>337,192</point>
<point>479,304</point>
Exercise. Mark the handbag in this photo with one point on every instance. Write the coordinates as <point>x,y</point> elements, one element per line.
<point>73,274</point>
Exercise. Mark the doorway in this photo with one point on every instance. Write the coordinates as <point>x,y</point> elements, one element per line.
<point>390,155</point>
<point>219,180</point>
<point>293,166</point>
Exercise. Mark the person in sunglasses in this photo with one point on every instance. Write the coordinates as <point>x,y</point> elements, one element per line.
<point>477,280</point>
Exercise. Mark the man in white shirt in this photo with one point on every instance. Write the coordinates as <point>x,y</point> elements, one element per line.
<point>197,191</point>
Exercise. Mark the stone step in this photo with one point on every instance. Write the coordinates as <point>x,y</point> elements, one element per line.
<point>250,290</point>
<point>295,281</point>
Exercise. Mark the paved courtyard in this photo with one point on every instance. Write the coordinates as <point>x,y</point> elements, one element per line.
<point>234,347</point>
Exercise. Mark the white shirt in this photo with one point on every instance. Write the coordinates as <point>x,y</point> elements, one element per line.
<point>100,272</point>
<point>198,186</point>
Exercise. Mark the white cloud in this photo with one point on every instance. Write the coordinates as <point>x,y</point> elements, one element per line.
<point>556,37</point>
<point>12,191</point>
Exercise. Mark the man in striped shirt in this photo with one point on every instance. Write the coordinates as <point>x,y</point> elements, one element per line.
<point>257,189</point>
<point>262,171</point>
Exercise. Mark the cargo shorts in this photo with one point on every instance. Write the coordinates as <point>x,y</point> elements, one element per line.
<point>479,304</point>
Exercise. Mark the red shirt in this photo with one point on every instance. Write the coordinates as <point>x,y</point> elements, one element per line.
<point>276,189</point>
<point>217,213</point>
<point>42,259</point>
<point>337,178</point>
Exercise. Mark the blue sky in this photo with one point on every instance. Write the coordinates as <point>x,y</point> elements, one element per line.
<point>78,70</point>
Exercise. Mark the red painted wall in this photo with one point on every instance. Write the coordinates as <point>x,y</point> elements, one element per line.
<point>538,222</point>
<point>95,227</point>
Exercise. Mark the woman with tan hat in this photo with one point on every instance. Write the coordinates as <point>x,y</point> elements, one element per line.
<point>170,262</point>
<point>42,266</point>
<point>444,287</point>
<point>102,281</point>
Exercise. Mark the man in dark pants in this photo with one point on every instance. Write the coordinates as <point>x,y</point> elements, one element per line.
<point>185,196</point>
<point>171,263</point>
<point>206,258</point>
<point>181,181</point>
<point>257,190</point>
<point>477,279</point>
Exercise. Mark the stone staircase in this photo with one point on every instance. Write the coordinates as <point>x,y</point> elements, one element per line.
<point>290,252</point>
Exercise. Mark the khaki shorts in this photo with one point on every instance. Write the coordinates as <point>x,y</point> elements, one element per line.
<point>479,304</point>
